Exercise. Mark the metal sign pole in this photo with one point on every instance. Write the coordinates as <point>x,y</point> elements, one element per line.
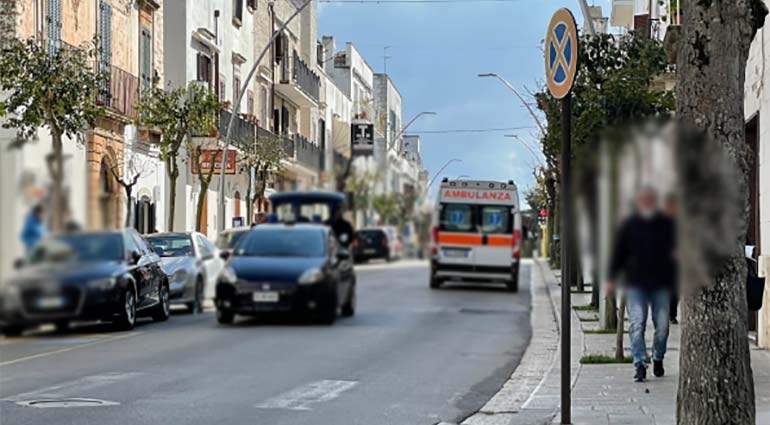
<point>566,263</point>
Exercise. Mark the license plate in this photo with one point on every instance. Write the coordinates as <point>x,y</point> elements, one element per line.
<point>50,302</point>
<point>265,297</point>
<point>370,251</point>
<point>456,253</point>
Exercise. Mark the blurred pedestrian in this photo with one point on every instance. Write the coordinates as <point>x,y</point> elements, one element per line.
<point>342,228</point>
<point>34,227</point>
<point>642,256</point>
<point>670,206</point>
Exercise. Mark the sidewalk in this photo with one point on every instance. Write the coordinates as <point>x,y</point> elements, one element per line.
<point>602,394</point>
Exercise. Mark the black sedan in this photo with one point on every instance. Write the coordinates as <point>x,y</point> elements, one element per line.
<point>287,267</point>
<point>112,276</point>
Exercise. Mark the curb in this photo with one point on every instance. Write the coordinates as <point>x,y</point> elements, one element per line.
<point>539,360</point>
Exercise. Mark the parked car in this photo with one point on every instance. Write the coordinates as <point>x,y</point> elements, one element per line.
<point>111,276</point>
<point>228,238</point>
<point>374,243</point>
<point>287,267</point>
<point>191,263</point>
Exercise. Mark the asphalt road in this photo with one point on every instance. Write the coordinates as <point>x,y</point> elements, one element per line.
<point>411,355</point>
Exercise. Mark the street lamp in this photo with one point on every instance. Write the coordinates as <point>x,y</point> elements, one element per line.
<point>438,173</point>
<point>526,145</point>
<point>403,129</point>
<point>236,108</point>
<point>521,98</point>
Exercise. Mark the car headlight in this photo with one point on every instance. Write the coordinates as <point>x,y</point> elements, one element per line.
<point>179,276</point>
<point>228,276</point>
<point>103,284</point>
<point>311,276</point>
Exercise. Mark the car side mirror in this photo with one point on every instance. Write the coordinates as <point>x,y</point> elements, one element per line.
<point>224,254</point>
<point>18,263</point>
<point>135,257</point>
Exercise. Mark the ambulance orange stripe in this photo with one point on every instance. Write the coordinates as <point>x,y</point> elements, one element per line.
<point>500,241</point>
<point>459,239</point>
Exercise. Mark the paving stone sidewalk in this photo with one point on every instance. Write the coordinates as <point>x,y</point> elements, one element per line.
<point>601,394</point>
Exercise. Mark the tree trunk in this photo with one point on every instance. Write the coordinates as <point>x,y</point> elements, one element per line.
<point>619,328</point>
<point>128,190</point>
<point>173,173</point>
<point>56,171</point>
<point>199,207</point>
<point>715,382</point>
<point>249,200</point>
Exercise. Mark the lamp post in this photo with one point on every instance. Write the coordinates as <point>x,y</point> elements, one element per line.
<point>446,164</point>
<point>236,107</point>
<point>403,129</point>
<point>521,98</point>
<point>526,145</point>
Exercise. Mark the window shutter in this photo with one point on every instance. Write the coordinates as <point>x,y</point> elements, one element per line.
<point>105,34</point>
<point>146,57</point>
<point>53,25</point>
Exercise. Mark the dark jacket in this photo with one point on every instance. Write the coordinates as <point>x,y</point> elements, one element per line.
<point>644,252</point>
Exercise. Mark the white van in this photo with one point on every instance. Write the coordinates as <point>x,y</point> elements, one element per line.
<point>476,233</point>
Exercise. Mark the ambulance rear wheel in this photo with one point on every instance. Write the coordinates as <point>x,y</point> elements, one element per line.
<point>435,282</point>
<point>513,285</point>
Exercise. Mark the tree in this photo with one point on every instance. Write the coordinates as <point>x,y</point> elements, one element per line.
<point>715,382</point>
<point>387,207</point>
<point>205,155</point>
<point>52,89</point>
<point>261,157</point>
<point>178,114</point>
<point>127,173</point>
<point>360,184</point>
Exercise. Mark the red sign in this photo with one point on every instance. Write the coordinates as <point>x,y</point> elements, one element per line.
<point>543,212</point>
<point>492,195</point>
<point>207,159</point>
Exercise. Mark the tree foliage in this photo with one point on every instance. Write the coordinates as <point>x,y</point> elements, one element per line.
<point>261,157</point>
<point>178,114</point>
<point>56,90</point>
<point>387,206</point>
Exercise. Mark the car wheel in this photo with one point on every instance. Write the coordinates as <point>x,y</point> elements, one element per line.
<point>62,326</point>
<point>327,314</point>
<point>196,307</point>
<point>12,330</point>
<point>225,317</point>
<point>127,318</point>
<point>349,308</point>
<point>163,309</point>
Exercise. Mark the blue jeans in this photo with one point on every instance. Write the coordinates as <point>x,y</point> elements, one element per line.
<point>638,302</point>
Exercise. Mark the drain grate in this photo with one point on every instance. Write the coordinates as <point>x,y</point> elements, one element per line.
<point>66,402</point>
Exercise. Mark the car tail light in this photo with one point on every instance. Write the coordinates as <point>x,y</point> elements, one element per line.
<point>516,244</point>
<point>355,243</point>
<point>384,242</point>
<point>434,245</point>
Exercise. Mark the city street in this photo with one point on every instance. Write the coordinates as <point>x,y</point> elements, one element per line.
<point>410,355</point>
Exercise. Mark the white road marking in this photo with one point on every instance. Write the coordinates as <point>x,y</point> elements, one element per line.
<point>63,350</point>
<point>68,402</point>
<point>71,388</point>
<point>395,265</point>
<point>301,397</point>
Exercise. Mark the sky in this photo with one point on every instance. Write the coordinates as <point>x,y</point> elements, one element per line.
<point>437,50</point>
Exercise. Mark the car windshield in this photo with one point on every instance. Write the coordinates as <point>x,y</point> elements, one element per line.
<point>229,240</point>
<point>78,248</point>
<point>282,243</point>
<point>304,212</point>
<point>172,246</point>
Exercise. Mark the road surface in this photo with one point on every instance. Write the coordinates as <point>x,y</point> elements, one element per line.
<point>411,355</point>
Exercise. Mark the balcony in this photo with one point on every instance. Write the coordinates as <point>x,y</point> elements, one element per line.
<point>244,132</point>
<point>308,154</point>
<point>120,92</point>
<point>298,82</point>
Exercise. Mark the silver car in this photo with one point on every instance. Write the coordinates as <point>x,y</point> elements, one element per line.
<point>191,263</point>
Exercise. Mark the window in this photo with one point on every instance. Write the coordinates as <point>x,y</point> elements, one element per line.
<point>236,89</point>
<point>222,88</point>
<point>105,34</point>
<point>203,65</point>
<point>172,246</point>
<point>237,12</point>
<point>250,102</point>
<point>457,218</point>
<point>251,4</point>
<point>495,219</point>
<point>53,24</point>
<point>146,52</point>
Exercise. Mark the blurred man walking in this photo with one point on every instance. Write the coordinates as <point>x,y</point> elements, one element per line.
<point>643,256</point>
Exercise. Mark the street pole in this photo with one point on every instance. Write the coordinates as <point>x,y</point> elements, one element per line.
<point>566,264</point>
<point>403,129</point>
<point>236,108</point>
<point>521,98</point>
<point>438,173</point>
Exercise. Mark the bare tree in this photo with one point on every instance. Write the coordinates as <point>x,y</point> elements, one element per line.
<point>260,158</point>
<point>128,172</point>
<point>715,382</point>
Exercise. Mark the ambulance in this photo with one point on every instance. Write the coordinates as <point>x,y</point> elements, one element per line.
<point>476,234</point>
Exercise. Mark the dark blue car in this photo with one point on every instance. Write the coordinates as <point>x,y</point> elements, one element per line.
<point>287,267</point>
